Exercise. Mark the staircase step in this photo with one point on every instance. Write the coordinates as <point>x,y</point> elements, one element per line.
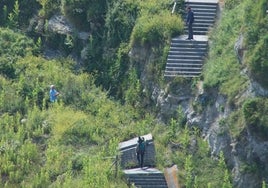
<point>185,57</point>
<point>185,70</point>
<point>184,76</point>
<point>204,9</point>
<point>184,60</point>
<point>189,46</point>
<point>202,4</point>
<point>208,14</point>
<point>205,17</point>
<point>202,24</point>
<point>180,65</point>
<point>181,73</point>
<point>204,21</point>
<point>188,49</point>
<point>154,186</point>
<point>146,178</point>
<point>200,32</point>
<point>180,40</point>
<point>185,42</point>
<point>187,53</point>
<point>184,64</point>
<point>142,180</point>
<point>198,28</point>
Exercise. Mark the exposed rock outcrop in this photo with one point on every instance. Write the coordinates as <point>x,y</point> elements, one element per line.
<point>60,24</point>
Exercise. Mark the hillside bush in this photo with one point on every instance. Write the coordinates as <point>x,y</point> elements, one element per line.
<point>49,7</point>
<point>258,61</point>
<point>119,22</point>
<point>156,29</point>
<point>25,13</point>
<point>72,143</point>
<point>222,69</point>
<point>230,4</point>
<point>254,112</point>
<point>13,17</point>
<point>10,101</point>
<point>255,21</point>
<point>84,12</point>
<point>12,46</point>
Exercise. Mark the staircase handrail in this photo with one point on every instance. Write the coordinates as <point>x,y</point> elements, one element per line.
<point>174,6</point>
<point>114,164</point>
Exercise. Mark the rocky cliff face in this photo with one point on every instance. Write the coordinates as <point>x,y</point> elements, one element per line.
<point>246,155</point>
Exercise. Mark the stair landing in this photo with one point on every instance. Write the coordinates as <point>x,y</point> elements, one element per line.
<point>144,170</point>
<point>201,1</point>
<point>196,37</point>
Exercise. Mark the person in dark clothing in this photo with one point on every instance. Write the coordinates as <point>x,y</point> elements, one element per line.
<point>189,22</point>
<point>140,151</point>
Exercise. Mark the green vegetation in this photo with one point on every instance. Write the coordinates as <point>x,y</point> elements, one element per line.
<point>156,24</point>
<point>13,46</point>
<point>256,28</point>
<point>62,144</point>
<point>254,111</point>
<point>223,71</point>
<point>73,143</point>
<point>230,77</point>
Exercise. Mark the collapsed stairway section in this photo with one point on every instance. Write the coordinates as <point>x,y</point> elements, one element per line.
<point>128,157</point>
<point>146,177</point>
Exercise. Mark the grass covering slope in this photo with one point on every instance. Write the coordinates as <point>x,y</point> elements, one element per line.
<point>69,144</point>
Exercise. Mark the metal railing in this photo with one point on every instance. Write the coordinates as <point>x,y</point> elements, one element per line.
<point>114,164</point>
<point>174,7</point>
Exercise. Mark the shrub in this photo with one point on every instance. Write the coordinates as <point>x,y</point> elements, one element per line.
<point>82,12</point>
<point>49,7</point>
<point>12,46</point>
<point>118,23</point>
<point>255,21</point>
<point>254,112</point>
<point>258,61</point>
<point>155,29</point>
<point>222,69</point>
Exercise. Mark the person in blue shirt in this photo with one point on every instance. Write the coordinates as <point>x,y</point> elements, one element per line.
<point>189,22</point>
<point>53,94</point>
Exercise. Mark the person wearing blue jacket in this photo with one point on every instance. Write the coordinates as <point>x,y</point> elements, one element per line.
<point>189,22</point>
<point>53,94</point>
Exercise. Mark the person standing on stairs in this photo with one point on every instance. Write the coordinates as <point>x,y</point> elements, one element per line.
<point>189,22</point>
<point>140,151</point>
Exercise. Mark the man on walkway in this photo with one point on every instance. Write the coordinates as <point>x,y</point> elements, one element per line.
<point>189,22</point>
<point>140,150</point>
